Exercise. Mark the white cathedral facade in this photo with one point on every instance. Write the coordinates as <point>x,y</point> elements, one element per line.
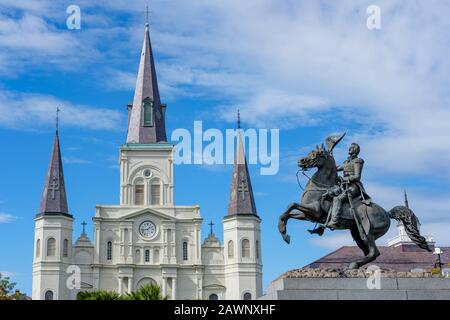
<point>146,238</point>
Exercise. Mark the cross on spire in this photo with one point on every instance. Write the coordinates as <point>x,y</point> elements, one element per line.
<point>242,188</point>
<point>84,225</point>
<point>57,118</point>
<point>146,14</point>
<point>211,228</point>
<point>239,120</point>
<point>54,184</point>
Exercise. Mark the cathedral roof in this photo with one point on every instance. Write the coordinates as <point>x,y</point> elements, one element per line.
<point>83,241</point>
<point>54,199</point>
<point>152,130</point>
<point>401,258</point>
<point>241,200</point>
<point>211,241</point>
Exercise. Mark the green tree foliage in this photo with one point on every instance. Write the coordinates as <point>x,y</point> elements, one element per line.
<point>147,292</point>
<point>7,291</point>
<point>98,295</point>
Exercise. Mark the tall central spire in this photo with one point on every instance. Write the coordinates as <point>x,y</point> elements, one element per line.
<point>241,195</point>
<point>147,118</point>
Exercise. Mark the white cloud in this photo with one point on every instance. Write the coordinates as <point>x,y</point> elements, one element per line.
<point>120,80</point>
<point>333,240</point>
<point>7,274</point>
<point>30,111</point>
<point>6,217</point>
<point>75,160</point>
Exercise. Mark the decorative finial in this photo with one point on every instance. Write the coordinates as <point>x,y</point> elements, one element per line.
<point>239,120</point>
<point>146,15</point>
<point>211,230</point>
<point>57,118</point>
<point>84,225</point>
<point>406,199</point>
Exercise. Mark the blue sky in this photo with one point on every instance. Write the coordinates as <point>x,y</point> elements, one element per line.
<point>307,68</point>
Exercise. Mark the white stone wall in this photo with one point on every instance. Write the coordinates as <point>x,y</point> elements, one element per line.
<point>207,269</point>
<point>242,274</point>
<point>49,272</point>
<point>136,161</point>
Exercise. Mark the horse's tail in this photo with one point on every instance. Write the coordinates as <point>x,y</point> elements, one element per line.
<point>410,221</point>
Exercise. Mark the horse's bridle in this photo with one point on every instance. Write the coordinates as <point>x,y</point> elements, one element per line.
<point>325,187</point>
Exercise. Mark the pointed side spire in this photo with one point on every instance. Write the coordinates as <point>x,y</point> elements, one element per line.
<point>241,196</point>
<point>54,199</point>
<point>406,199</point>
<point>147,118</point>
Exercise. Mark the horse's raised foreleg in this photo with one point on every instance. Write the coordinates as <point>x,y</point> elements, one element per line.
<point>285,216</point>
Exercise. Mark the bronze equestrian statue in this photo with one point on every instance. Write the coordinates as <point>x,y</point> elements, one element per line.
<point>342,203</point>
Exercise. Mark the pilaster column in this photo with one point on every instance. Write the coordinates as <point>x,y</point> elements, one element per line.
<point>130,244</point>
<point>165,246</point>
<point>164,286</point>
<point>130,284</point>
<point>200,287</point>
<point>173,258</point>
<point>198,255</point>
<point>97,244</point>
<point>174,288</point>
<point>120,285</point>
<point>121,250</point>
<point>152,257</point>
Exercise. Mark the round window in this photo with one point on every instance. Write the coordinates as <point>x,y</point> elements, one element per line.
<point>147,173</point>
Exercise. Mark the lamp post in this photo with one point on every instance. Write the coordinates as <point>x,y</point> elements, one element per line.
<point>438,263</point>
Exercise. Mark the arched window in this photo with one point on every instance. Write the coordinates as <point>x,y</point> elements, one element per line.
<point>65,248</point>
<point>38,247</point>
<point>147,104</point>
<point>48,295</point>
<point>213,296</point>
<point>245,248</point>
<point>109,251</point>
<point>247,296</point>
<point>138,256</point>
<point>257,249</point>
<point>139,194</point>
<point>155,192</point>
<point>185,250</point>
<point>147,255</point>
<point>230,249</point>
<point>51,247</point>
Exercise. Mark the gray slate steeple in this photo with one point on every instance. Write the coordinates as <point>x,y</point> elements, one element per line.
<point>54,199</point>
<point>147,115</point>
<point>241,200</point>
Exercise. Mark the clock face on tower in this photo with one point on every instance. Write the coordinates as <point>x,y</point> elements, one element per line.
<point>147,229</point>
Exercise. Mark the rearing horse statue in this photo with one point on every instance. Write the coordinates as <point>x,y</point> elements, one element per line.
<point>366,222</point>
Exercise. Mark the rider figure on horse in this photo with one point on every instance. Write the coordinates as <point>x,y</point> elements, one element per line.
<point>350,183</point>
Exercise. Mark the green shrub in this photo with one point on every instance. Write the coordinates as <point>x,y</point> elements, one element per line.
<point>147,292</point>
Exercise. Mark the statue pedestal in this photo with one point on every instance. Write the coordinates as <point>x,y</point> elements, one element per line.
<point>355,284</point>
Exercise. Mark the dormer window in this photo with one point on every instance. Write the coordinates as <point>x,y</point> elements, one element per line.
<point>147,105</point>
